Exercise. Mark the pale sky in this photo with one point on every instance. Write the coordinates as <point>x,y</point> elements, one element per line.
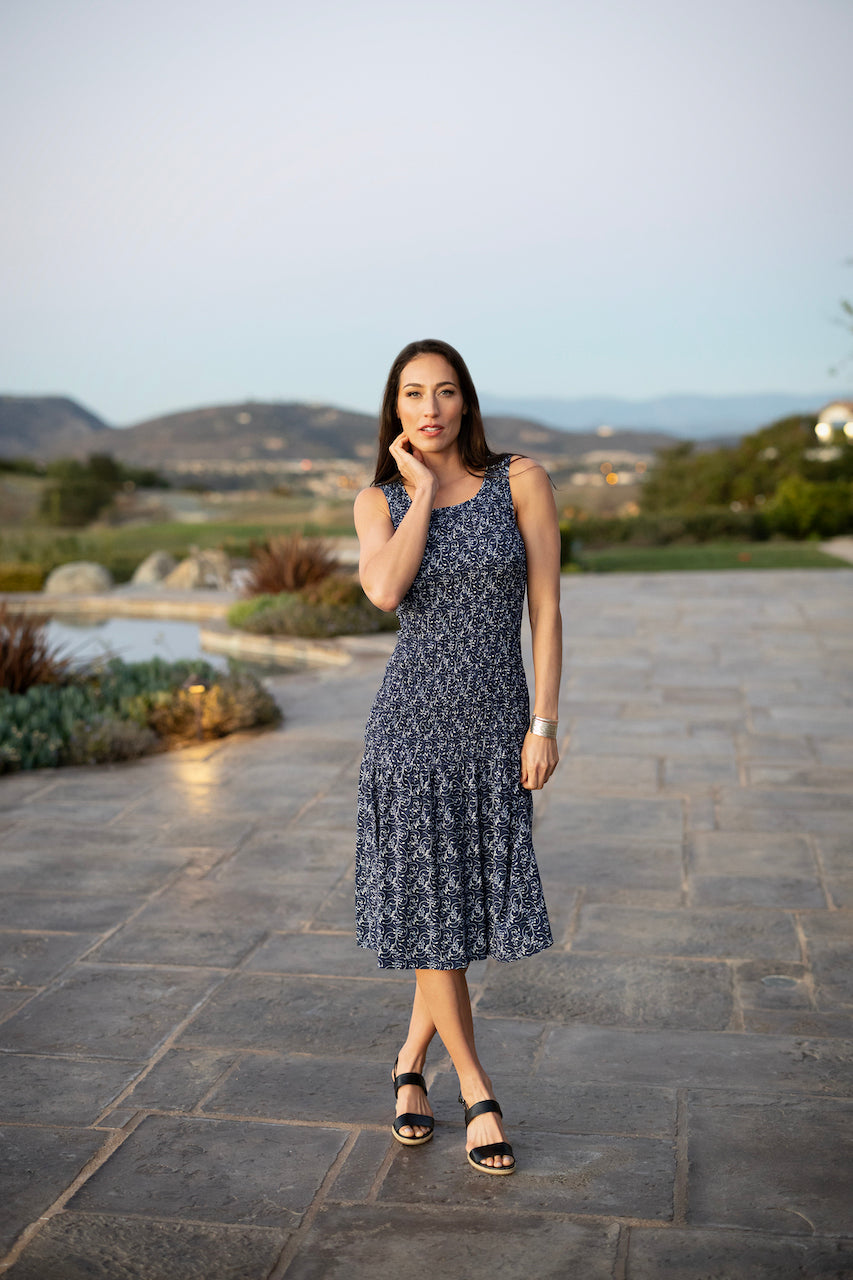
<point>208,201</point>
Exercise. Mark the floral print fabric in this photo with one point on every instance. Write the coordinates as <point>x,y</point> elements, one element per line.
<point>445,869</point>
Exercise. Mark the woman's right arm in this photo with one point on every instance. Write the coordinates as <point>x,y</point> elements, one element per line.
<point>389,559</point>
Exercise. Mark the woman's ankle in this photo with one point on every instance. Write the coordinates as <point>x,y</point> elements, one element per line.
<point>411,1059</point>
<point>476,1088</point>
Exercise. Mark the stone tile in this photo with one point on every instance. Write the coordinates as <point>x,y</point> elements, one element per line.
<point>31,959</point>
<point>65,912</point>
<point>272,866</point>
<point>803,809</point>
<point>607,740</point>
<point>12,1000</point>
<point>701,1059</point>
<point>557,1173</point>
<point>764,984</point>
<point>757,868</point>
<point>798,775</point>
<point>296,848</point>
<point>216,831</point>
<point>772,748</point>
<point>701,815</point>
<point>610,870</point>
<point>837,864</point>
<point>623,930</point>
<point>70,869</point>
<point>697,774</point>
<point>36,1165</point>
<point>337,910</point>
<point>217,947</point>
<point>326,954</point>
<point>771,1163</point>
<point>335,812</point>
<point>83,837</point>
<point>798,1022</point>
<point>380,1241</point>
<point>60,1091</point>
<point>629,992</point>
<point>90,1246</point>
<point>500,1040</point>
<point>829,939</point>
<point>689,1253</point>
<point>608,775</point>
<point>358,1018</point>
<point>18,789</point>
<point>180,1079</point>
<point>207,1170</point>
<point>659,723</point>
<point>615,817</point>
<point>284,1086</point>
<point>835,753</point>
<point>550,1100</point>
<point>362,1165</point>
<point>119,1013</point>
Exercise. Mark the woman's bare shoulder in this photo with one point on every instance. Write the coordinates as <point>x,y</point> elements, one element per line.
<point>371,501</point>
<point>369,507</point>
<point>520,465</point>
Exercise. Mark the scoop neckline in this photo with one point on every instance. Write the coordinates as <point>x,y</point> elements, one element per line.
<point>454,506</point>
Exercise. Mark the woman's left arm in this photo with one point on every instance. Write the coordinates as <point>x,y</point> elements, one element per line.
<point>536,513</point>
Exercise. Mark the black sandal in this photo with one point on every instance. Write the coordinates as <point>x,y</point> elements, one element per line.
<point>409,1118</point>
<point>477,1155</point>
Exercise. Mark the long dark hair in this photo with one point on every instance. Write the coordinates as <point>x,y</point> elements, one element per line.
<point>474,452</point>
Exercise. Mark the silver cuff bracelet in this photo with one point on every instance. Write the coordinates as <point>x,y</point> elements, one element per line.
<point>543,728</point>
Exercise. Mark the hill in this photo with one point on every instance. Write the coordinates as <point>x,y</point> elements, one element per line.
<point>49,427</point>
<point>45,427</point>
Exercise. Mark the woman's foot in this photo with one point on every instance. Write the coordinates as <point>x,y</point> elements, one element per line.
<point>486,1128</point>
<point>412,1103</point>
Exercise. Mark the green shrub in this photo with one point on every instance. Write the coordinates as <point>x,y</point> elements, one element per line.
<point>21,577</point>
<point>106,740</point>
<point>125,710</point>
<point>337,606</point>
<point>234,702</point>
<point>801,509</point>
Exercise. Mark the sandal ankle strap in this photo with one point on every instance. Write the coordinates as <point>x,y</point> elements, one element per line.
<point>480,1109</point>
<point>409,1077</point>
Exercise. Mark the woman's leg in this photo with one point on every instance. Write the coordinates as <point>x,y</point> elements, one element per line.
<point>447,1002</point>
<point>412,1057</point>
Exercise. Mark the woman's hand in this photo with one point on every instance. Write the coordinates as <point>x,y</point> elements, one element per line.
<point>410,463</point>
<point>539,757</point>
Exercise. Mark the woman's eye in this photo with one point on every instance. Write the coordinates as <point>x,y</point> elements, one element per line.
<point>411,394</point>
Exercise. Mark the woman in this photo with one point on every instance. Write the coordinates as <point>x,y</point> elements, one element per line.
<point>450,535</point>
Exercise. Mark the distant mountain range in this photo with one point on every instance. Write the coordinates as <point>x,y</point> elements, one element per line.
<point>690,417</point>
<point>47,427</point>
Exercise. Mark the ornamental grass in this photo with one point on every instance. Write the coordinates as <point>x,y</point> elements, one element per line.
<point>26,656</point>
<point>289,564</point>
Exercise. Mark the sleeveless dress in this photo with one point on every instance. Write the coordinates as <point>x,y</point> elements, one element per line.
<point>445,869</point>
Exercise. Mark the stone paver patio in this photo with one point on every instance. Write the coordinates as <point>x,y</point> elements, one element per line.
<point>194,1056</point>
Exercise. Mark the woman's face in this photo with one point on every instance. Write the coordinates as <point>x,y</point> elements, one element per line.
<point>429,404</point>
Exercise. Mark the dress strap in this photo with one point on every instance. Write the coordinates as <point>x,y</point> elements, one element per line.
<point>397,499</point>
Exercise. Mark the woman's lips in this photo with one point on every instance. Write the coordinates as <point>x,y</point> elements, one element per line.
<point>431,430</point>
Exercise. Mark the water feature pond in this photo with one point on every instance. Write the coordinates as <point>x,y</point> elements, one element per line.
<point>131,639</point>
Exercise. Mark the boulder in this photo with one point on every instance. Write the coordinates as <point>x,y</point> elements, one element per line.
<point>154,569</point>
<point>201,569</point>
<point>79,578</point>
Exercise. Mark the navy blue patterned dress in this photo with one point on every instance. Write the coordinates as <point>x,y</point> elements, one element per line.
<point>445,869</point>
